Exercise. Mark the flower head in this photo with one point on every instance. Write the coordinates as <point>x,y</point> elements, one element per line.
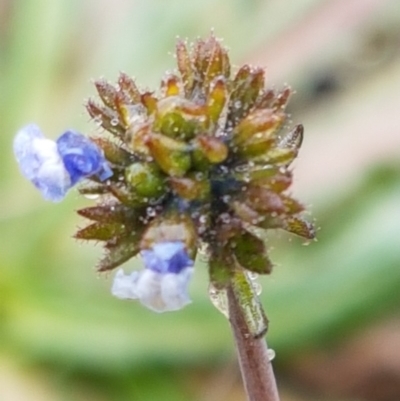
<point>54,167</point>
<point>203,162</point>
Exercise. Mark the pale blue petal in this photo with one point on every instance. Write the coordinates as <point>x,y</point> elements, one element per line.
<point>157,291</point>
<point>166,257</point>
<point>82,157</point>
<point>40,162</point>
<point>124,285</point>
<point>164,292</point>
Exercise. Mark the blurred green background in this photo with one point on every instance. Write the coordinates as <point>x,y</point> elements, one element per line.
<point>333,305</point>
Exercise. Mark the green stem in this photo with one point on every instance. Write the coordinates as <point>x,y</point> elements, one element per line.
<point>255,366</point>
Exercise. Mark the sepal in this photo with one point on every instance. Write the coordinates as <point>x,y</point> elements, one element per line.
<point>250,253</point>
<point>118,251</point>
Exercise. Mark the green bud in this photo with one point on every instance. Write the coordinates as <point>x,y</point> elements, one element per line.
<point>145,179</point>
<point>213,149</point>
<point>172,156</point>
<point>191,188</point>
<point>179,118</point>
<point>257,129</point>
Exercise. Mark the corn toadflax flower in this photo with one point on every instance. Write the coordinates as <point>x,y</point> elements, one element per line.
<point>55,166</point>
<point>162,285</point>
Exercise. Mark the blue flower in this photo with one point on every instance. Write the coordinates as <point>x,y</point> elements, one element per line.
<point>54,167</point>
<point>162,285</point>
<point>81,157</point>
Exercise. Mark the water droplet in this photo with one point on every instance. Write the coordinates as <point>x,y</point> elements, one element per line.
<point>114,122</point>
<point>199,176</point>
<point>151,212</point>
<point>271,354</point>
<point>241,169</point>
<point>252,275</point>
<point>203,219</point>
<point>153,201</point>
<point>257,287</point>
<point>91,196</point>
<point>219,299</point>
<point>203,249</point>
<point>225,218</point>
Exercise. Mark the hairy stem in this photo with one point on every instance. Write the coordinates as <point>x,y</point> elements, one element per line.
<point>257,374</point>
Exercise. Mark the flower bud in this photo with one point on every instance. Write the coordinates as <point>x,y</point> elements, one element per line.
<point>171,155</point>
<point>178,118</point>
<point>213,149</point>
<point>256,133</point>
<point>145,179</point>
<point>191,188</point>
